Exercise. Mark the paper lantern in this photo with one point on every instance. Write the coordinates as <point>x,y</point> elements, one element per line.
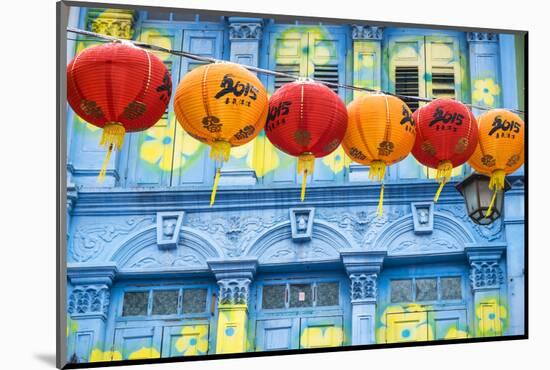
<point>119,88</point>
<point>307,120</point>
<point>446,136</point>
<point>500,150</point>
<point>222,105</point>
<point>381,132</point>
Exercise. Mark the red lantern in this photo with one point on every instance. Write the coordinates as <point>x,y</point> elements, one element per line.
<point>307,120</point>
<point>446,137</point>
<point>119,88</point>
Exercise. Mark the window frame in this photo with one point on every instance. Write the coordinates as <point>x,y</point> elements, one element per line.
<point>314,291</point>
<point>439,299</point>
<point>150,300</point>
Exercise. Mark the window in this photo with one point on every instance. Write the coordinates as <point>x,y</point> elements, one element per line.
<point>315,52</point>
<point>194,300</point>
<point>443,82</point>
<point>425,66</point>
<point>328,294</point>
<point>273,296</point>
<point>327,73</point>
<point>401,290</point>
<point>407,83</point>
<point>300,295</point>
<point>426,289</point>
<point>450,288</point>
<point>135,304</point>
<point>291,69</point>
<point>163,302</point>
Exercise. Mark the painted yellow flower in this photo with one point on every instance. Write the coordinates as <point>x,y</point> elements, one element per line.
<point>337,160</point>
<point>231,334</point>
<point>144,352</point>
<point>316,337</point>
<point>454,333</point>
<point>485,91</point>
<point>158,148</point>
<point>410,332</point>
<point>193,340</point>
<point>491,318</point>
<point>98,355</point>
<point>405,323</point>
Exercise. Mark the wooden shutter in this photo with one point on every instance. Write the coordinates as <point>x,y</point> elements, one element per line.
<point>291,69</point>
<point>407,68</point>
<point>327,73</point>
<point>443,82</point>
<point>407,83</point>
<point>442,65</point>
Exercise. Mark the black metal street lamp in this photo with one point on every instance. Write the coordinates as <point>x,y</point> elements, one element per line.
<point>477,196</point>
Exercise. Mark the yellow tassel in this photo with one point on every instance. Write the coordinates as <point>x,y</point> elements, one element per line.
<point>377,170</point>
<point>496,183</point>
<point>381,201</point>
<point>444,173</point>
<point>112,139</point>
<point>215,187</point>
<point>306,164</point>
<point>220,151</point>
<point>304,181</point>
<point>497,180</point>
<point>490,209</point>
<point>436,197</point>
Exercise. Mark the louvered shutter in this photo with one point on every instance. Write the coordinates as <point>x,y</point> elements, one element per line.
<point>407,83</point>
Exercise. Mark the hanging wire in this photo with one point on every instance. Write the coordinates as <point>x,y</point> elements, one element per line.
<point>260,70</point>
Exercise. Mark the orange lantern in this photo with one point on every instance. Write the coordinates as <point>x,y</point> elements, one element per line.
<point>222,105</point>
<point>500,149</point>
<point>381,132</point>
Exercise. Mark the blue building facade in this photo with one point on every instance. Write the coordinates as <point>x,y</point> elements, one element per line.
<point>153,271</point>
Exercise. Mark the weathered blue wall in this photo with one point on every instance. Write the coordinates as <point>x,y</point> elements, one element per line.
<point>149,226</point>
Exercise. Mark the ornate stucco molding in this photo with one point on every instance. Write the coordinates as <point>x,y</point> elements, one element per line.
<point>90,295</point>
<point>89,240</point>
<point>361,32</point>
<point>233,291</point>
<point>89,300</point>
<point>234,233</point>
<point>485,270</point>
<point>363,268</point>
<point>245,31</point>
<point>234,278</point>
<point>486,274</point>
<point>111,22</point>
<point>363,286</point>
<point>482,36</point>
<point>168,229</point>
